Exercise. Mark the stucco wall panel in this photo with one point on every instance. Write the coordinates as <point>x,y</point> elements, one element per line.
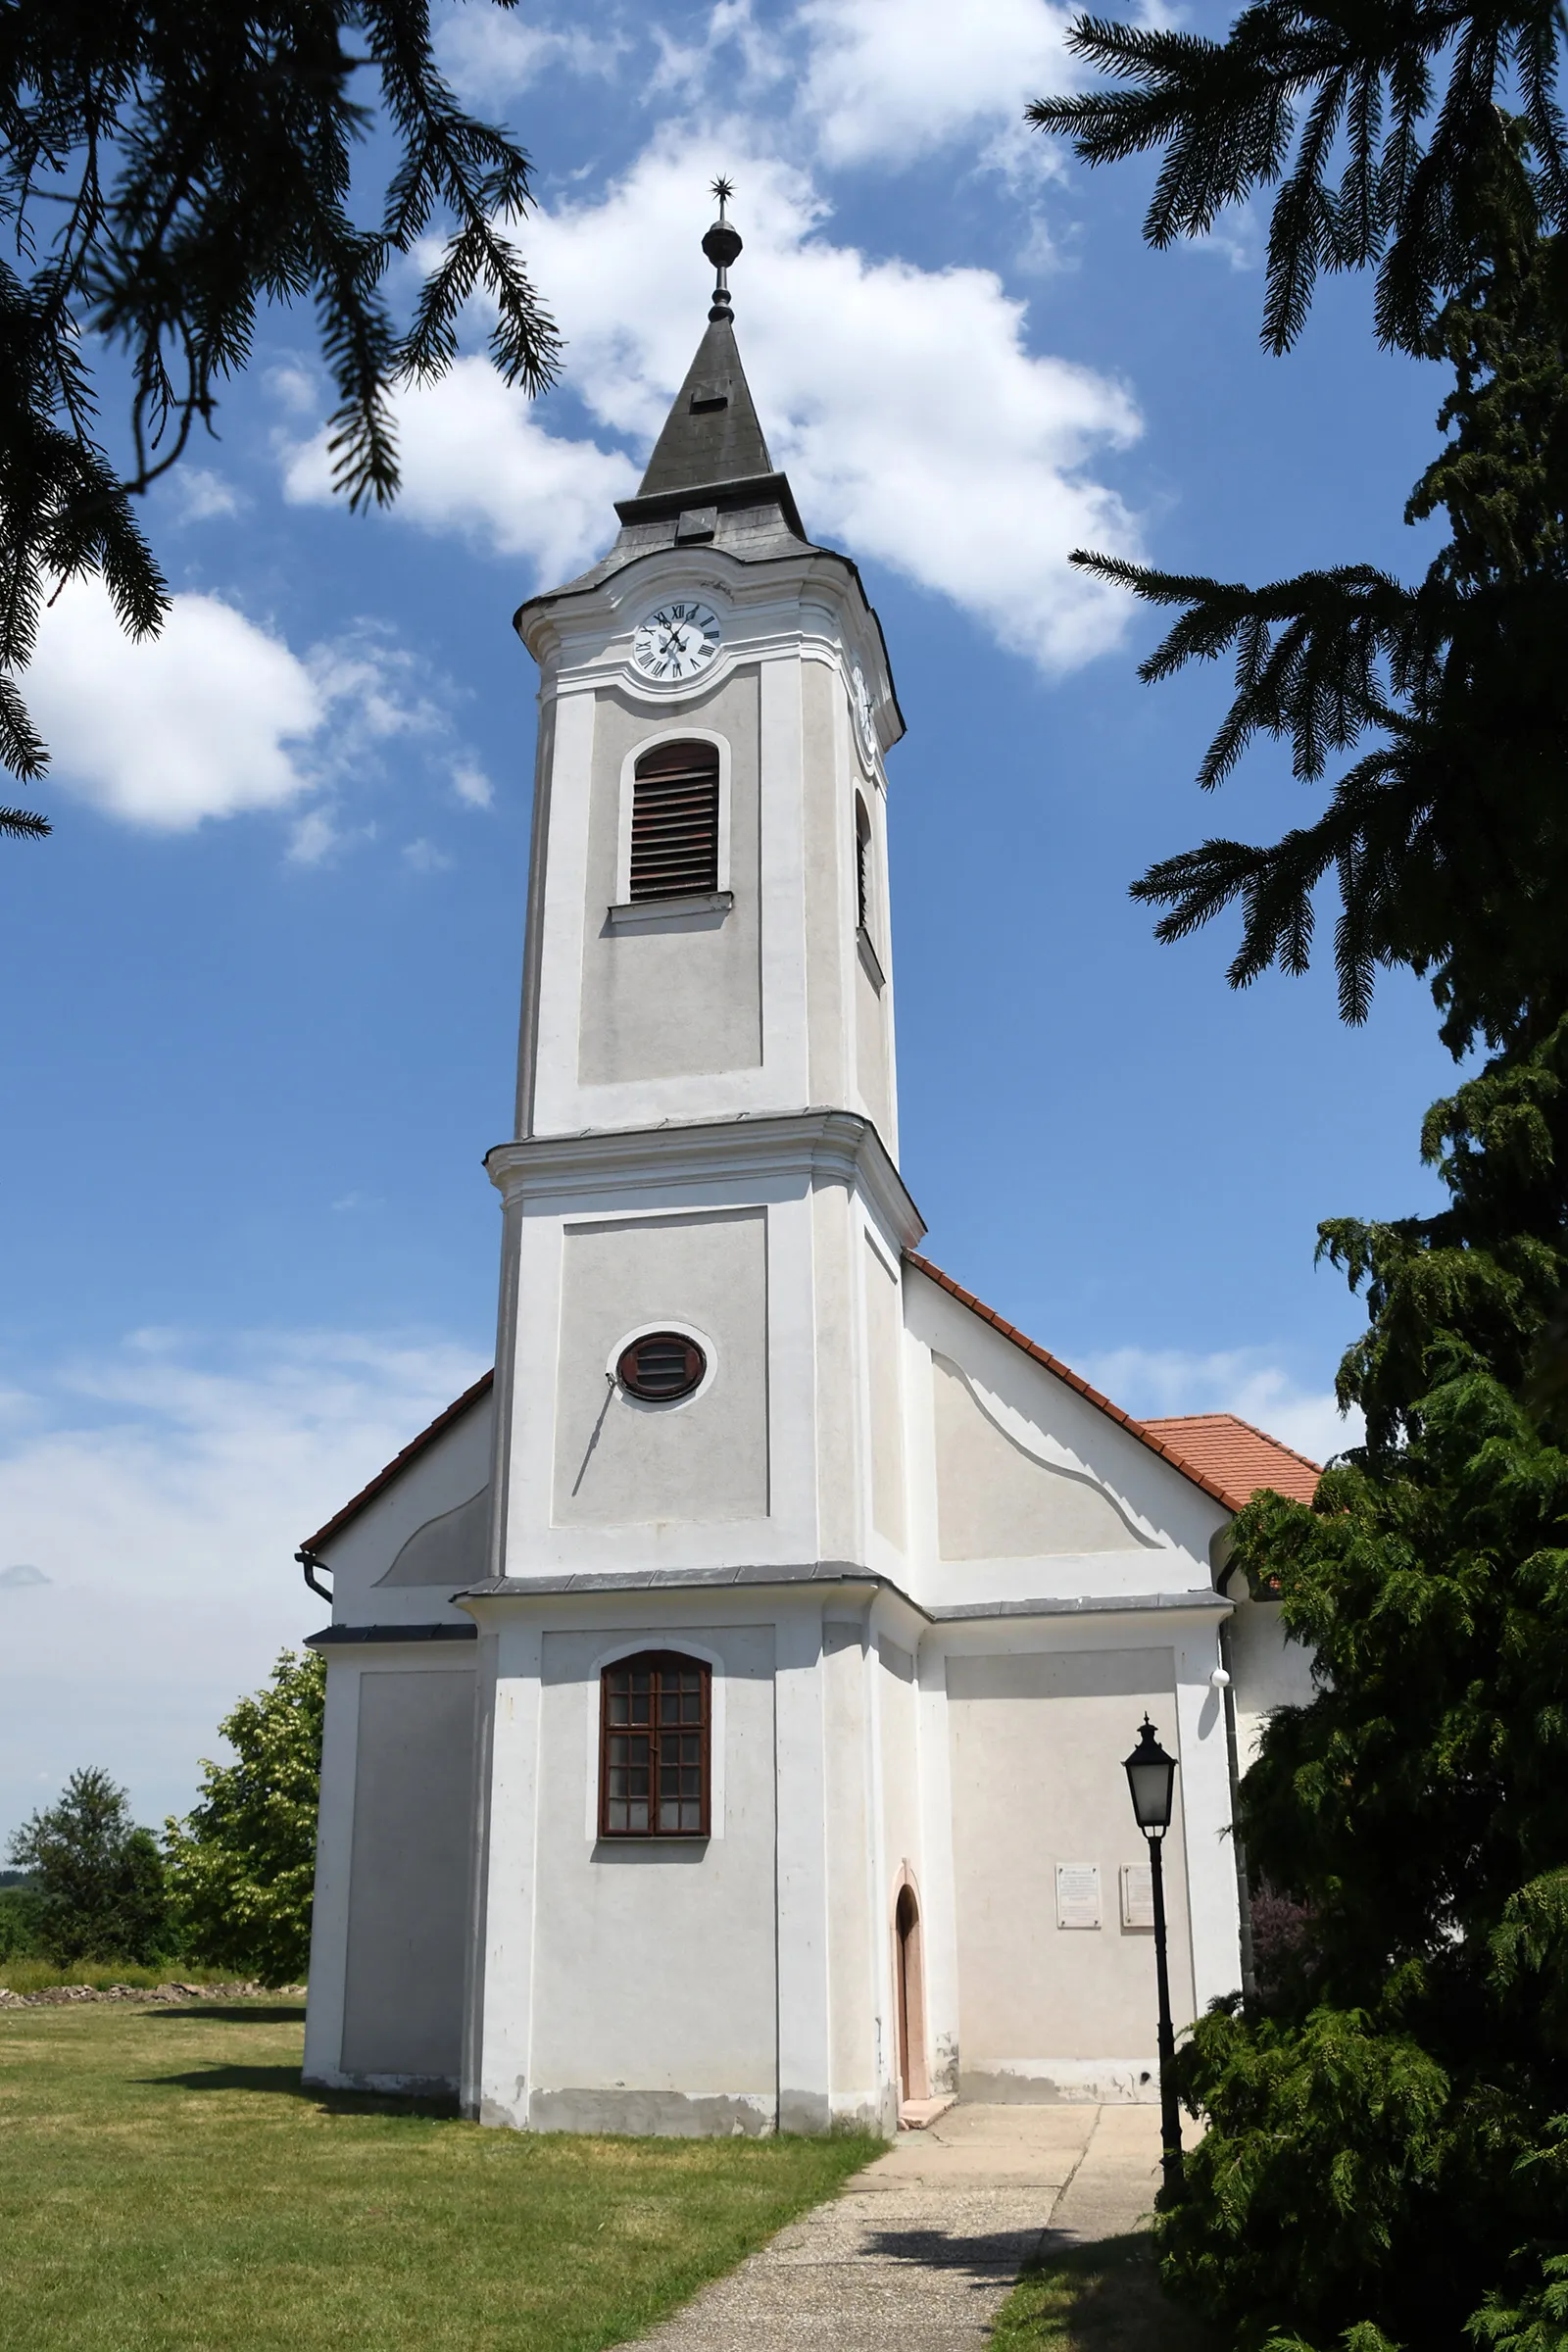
<point>1037,1740</point>
<point>409,1880</point>
<point>619,1464</point>
<point>998,1501</point>
<point>654,1960</point>
<point>685,1002</point>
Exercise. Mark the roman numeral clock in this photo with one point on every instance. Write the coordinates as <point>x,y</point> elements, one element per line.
<point>675,642</point>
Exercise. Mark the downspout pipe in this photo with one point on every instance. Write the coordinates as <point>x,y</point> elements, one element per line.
<point>309,1562</point>
<point>1244,1891</point>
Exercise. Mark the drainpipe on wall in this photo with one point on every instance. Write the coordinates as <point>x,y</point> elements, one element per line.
<point>310,1561</point>
<point>1244,1891</point>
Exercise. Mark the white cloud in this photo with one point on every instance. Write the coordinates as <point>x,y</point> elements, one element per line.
<point>472,786</point>
<point>421,856</point>
<point>474,461</point>
<point>164,1502</point>
<point>205,719</point>
<point>489,56</point>
<point>216,716</point>
<point>889,79</point>
<point>915,424</point>
<point>1156,1381</point>
<point>199,495</point>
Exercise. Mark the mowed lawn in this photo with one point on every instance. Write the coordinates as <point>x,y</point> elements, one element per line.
<point>164,2182</point>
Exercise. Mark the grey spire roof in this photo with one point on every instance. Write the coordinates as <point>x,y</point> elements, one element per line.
<point>711,436</point>
<point>710,458</point>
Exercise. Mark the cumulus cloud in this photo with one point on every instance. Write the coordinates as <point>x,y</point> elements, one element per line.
<point>474,461</point>
<point>203,721</point>
<point>166,1490</point>
<point>216,715</point>
<point>890,79</point>
<point>916,425</point>
<point>1155,1382</point>
<point>489,57</point>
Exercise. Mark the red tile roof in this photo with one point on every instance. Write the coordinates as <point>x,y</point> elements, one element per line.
<point>1198,1445</point>
<point>1237,1457</point>
<point>399,1463</point>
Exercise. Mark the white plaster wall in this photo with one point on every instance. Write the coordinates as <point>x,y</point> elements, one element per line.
<point>449,1474</point>
<point>619,1462</point>
<point>853,1945</point>
<point>999,1499</point>
<point>653,1989</point>
<point>402,2023</point>
<point>684,999</point>
<point>1037,1739</point>
<point>1033,1418</point>
<point>884,1331</point>
<point>1269,1671</point>
<point>610,1037</point>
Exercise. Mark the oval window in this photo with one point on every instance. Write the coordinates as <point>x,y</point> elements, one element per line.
<point>661,1367</point>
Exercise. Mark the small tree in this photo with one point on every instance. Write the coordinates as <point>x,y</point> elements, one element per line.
<point>242,1866</point>
<point>99,1879</point>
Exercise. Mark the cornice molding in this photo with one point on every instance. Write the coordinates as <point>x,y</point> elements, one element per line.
<point>827,1147</point>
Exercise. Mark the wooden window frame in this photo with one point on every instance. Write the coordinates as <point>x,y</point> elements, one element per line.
<point>655,1664</point>
<point>864,866</point>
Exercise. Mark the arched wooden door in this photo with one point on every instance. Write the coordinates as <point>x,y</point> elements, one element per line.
<point>909,1959</point>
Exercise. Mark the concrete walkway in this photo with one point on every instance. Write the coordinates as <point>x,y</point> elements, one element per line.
<point>920,2250</point>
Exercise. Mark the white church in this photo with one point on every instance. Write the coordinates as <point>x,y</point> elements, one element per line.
<point>727,1697</point>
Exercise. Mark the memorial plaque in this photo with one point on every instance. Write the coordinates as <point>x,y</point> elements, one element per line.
<point>1136,1896</point>
<point>1077,1895</point>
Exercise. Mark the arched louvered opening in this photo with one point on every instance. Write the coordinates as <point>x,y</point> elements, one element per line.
<point>863,866</point>
<point>674,822</point>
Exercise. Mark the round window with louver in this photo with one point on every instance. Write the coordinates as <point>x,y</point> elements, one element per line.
<point>661,1367</point>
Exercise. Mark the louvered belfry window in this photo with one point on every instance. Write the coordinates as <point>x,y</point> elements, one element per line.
<point>674,822</point>
<point>656,1718</point>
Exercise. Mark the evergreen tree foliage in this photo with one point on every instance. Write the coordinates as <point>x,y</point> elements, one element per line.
<point>1399,96</point>
<point>99,1879</point>
<point>242,1866</point>
<point>169,167</point>
<point>1448,836</point>
<point>1388,2146</point>
<point>1385,2158</point>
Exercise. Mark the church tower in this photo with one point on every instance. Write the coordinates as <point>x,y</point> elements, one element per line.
<point>726,1702</point>
<point>697,1365</point>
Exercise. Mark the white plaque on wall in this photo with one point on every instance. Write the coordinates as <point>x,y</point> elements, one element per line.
<point>1136,1896</point>
<point>1077,1895</point>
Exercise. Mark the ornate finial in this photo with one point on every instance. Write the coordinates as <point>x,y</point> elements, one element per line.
<point>721,245</point>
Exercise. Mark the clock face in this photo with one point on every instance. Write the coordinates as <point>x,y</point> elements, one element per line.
<point>676,641</point>
<point>861,704</point>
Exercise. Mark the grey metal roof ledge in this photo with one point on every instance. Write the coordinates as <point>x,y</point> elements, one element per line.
<point>336,1637</point>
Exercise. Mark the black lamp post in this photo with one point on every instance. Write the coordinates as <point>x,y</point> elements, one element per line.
<point>1152,1778</point>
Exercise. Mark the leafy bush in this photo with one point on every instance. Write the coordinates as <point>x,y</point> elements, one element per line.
<point>242,1865</point>
<point>19,1909</point>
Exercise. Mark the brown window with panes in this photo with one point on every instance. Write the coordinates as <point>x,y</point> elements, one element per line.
<point>655,1719</point>
<point>674,822</point>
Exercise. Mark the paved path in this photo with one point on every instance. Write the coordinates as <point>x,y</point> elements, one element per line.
<point>920,2250</point>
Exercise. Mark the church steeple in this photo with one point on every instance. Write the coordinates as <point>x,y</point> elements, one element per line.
<point>712,454</point>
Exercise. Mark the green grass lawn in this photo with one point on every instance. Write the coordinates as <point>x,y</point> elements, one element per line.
<point>166,2182</point>
<point>1099,2298</point>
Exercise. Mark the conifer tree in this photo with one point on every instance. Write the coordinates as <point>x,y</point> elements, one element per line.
<point>168,169</point>
<point>1385,2159</point>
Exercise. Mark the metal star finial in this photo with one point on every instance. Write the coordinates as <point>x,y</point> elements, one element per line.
<point>721,245</point>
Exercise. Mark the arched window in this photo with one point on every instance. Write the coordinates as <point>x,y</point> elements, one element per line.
<point>674,822</point>
<point>655,1740</point>
<point>863,866</point>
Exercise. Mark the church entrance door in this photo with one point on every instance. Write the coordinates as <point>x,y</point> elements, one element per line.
<point>912,1997</point>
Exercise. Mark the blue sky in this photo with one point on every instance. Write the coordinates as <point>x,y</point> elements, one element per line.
<point>264,978</point>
